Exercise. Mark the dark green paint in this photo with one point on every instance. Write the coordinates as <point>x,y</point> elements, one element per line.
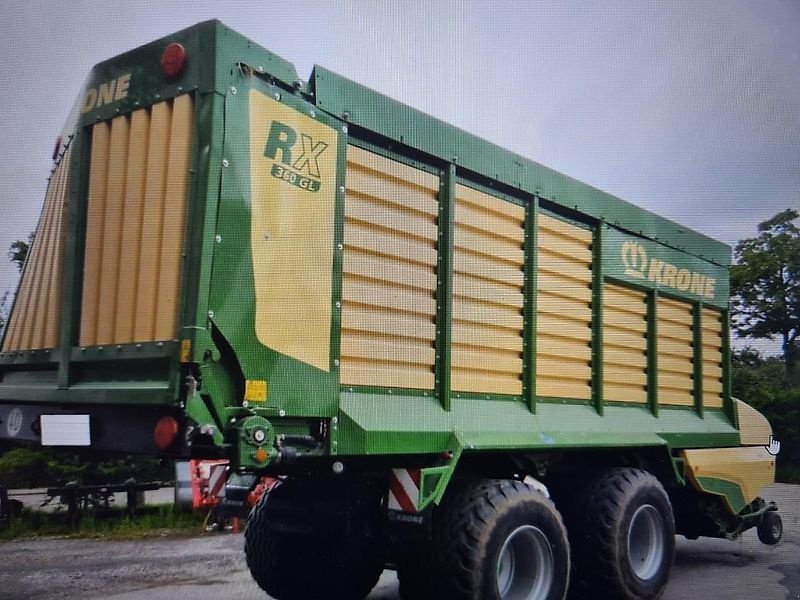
<point>367,108</point>
<point>652,351</point>
<point>529,304</point>
<point>697,359</point>
<point>444,284</point>
<point>217,312</point>
<point>720,487</point>
<point>598,283</point>
<point>658,268</point>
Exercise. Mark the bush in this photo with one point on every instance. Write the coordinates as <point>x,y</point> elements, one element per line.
<point>22,468</point>
<point>32,466</point>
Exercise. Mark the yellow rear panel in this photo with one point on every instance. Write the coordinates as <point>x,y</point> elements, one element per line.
<point>563,310</point>
<point>389,273</point>
<point>36,320</point>
<point>487,294</point>
<point>624,344</point>
<point>138,186</point>
<point>675,353</point>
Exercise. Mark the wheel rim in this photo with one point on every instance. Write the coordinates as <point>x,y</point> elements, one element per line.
<point>646,542</point>
<point>525,568</point>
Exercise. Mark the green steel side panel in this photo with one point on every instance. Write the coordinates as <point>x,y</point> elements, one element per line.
<point>721,487</point>
<point>293,388</point>
<point>375,424</point>
<point>364,107</point>
<point>134,79</point>
<point>651,265</point>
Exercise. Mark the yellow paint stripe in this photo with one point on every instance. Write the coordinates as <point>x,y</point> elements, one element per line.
<point>371,293</point>
<point>133,210</point>
<point>465,333</point>
<point>172,235</point>
<point>389,270</point>
<point>500,208</point>
<point>112,229</point>
<point>152,220</point>
<point>371,319</point>
<point>392,192</point>
<point>93,254</point>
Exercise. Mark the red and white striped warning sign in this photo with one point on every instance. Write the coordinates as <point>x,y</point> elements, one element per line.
<point>216,480</point>
<point>404,490</point>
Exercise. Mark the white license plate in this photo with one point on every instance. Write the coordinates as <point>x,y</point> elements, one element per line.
<point>65,430</point>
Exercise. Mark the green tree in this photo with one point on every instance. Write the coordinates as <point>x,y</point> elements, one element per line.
<point>765,283</point>
<point>18,251</point>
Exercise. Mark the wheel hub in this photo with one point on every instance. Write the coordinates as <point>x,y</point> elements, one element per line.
<point>525,568</point>
<point>646,542</point>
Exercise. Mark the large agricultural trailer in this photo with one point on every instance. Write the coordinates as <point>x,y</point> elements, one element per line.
<point>460,364</point>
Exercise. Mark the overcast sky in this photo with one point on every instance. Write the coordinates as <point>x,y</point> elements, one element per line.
<point>689,109</point>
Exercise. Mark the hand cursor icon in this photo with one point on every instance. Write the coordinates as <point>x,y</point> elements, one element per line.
<point>774,446</point>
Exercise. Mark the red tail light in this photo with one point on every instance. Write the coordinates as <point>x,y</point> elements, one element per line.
<point>173,60</point>
<point>165,432</point>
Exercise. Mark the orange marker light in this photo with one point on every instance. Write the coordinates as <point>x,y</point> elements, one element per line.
<point>261,455</point>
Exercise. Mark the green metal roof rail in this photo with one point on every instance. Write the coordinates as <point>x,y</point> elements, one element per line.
<point>376,112</point>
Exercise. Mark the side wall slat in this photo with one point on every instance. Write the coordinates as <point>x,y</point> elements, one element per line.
<point>564,310</point>
<point>36,320</point>
<point>487,294</point>
<point>389,273</point>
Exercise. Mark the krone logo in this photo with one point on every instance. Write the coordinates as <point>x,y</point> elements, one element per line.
<point>106,93</point>
<point>14,425</point>
<point>299,155</point>
<point>634,259</point>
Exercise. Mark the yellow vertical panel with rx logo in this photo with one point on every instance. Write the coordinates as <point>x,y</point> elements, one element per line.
<point>293,187</point>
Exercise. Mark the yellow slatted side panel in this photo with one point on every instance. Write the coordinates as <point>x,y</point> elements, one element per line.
<point>389,273</point>
<point>36,320</point>
<point>675,353</point>
<point>563,310</point>
<point>487,294</point>
<point>624,344</point>
<point>138,186</point>
<point>712,358</point>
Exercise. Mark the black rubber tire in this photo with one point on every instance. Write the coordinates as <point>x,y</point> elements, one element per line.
<point>414,571</point>
<point>470,532</point>
<point>770,528</point>
<point>599,519</point>
<point>322,564</point>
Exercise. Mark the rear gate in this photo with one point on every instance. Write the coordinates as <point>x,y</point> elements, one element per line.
<point>132,184</point>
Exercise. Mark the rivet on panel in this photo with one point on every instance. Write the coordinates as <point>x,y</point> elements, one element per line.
<point>211,314</point>
<point>344,128</point>
<point>340,246</point>
<point>218,238</point>
<point>277,96</point>
<point>335,362</point>
<point>225,162</point>
<point>312,114</point>
<point>338,305</point>
<point>233,90</point>
<point>341,189</point>
<point>282,413</point>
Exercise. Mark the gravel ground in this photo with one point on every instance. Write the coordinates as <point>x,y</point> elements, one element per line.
<point>213,566</point>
